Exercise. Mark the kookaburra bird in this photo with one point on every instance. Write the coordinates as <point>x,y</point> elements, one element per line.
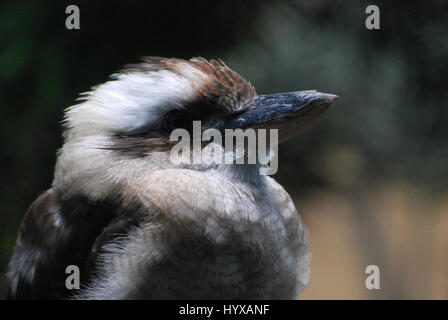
<point>139,226</point>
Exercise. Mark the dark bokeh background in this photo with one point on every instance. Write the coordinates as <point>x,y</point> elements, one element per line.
<point>370,177</point>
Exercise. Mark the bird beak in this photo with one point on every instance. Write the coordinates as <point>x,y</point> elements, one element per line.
<point>288,112</point>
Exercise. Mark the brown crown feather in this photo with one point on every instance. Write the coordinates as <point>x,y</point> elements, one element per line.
<point>225,88</point>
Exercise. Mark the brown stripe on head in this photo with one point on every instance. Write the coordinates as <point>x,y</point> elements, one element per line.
<point>140,146</point>
<point>152,64</point>
<point>225,85</point>
<point>220,86</point>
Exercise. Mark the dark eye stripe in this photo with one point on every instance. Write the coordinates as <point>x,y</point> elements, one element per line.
<point>177,119</point>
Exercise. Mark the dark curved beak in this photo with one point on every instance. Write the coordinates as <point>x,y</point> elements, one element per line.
<point>288,112</point>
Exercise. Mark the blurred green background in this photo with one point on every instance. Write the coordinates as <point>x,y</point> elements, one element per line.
<point>370,177</point>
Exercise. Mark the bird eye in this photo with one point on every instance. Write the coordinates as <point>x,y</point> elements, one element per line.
<point>177,120</point>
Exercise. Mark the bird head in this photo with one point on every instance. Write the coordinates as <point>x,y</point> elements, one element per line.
<point>122,128</point>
